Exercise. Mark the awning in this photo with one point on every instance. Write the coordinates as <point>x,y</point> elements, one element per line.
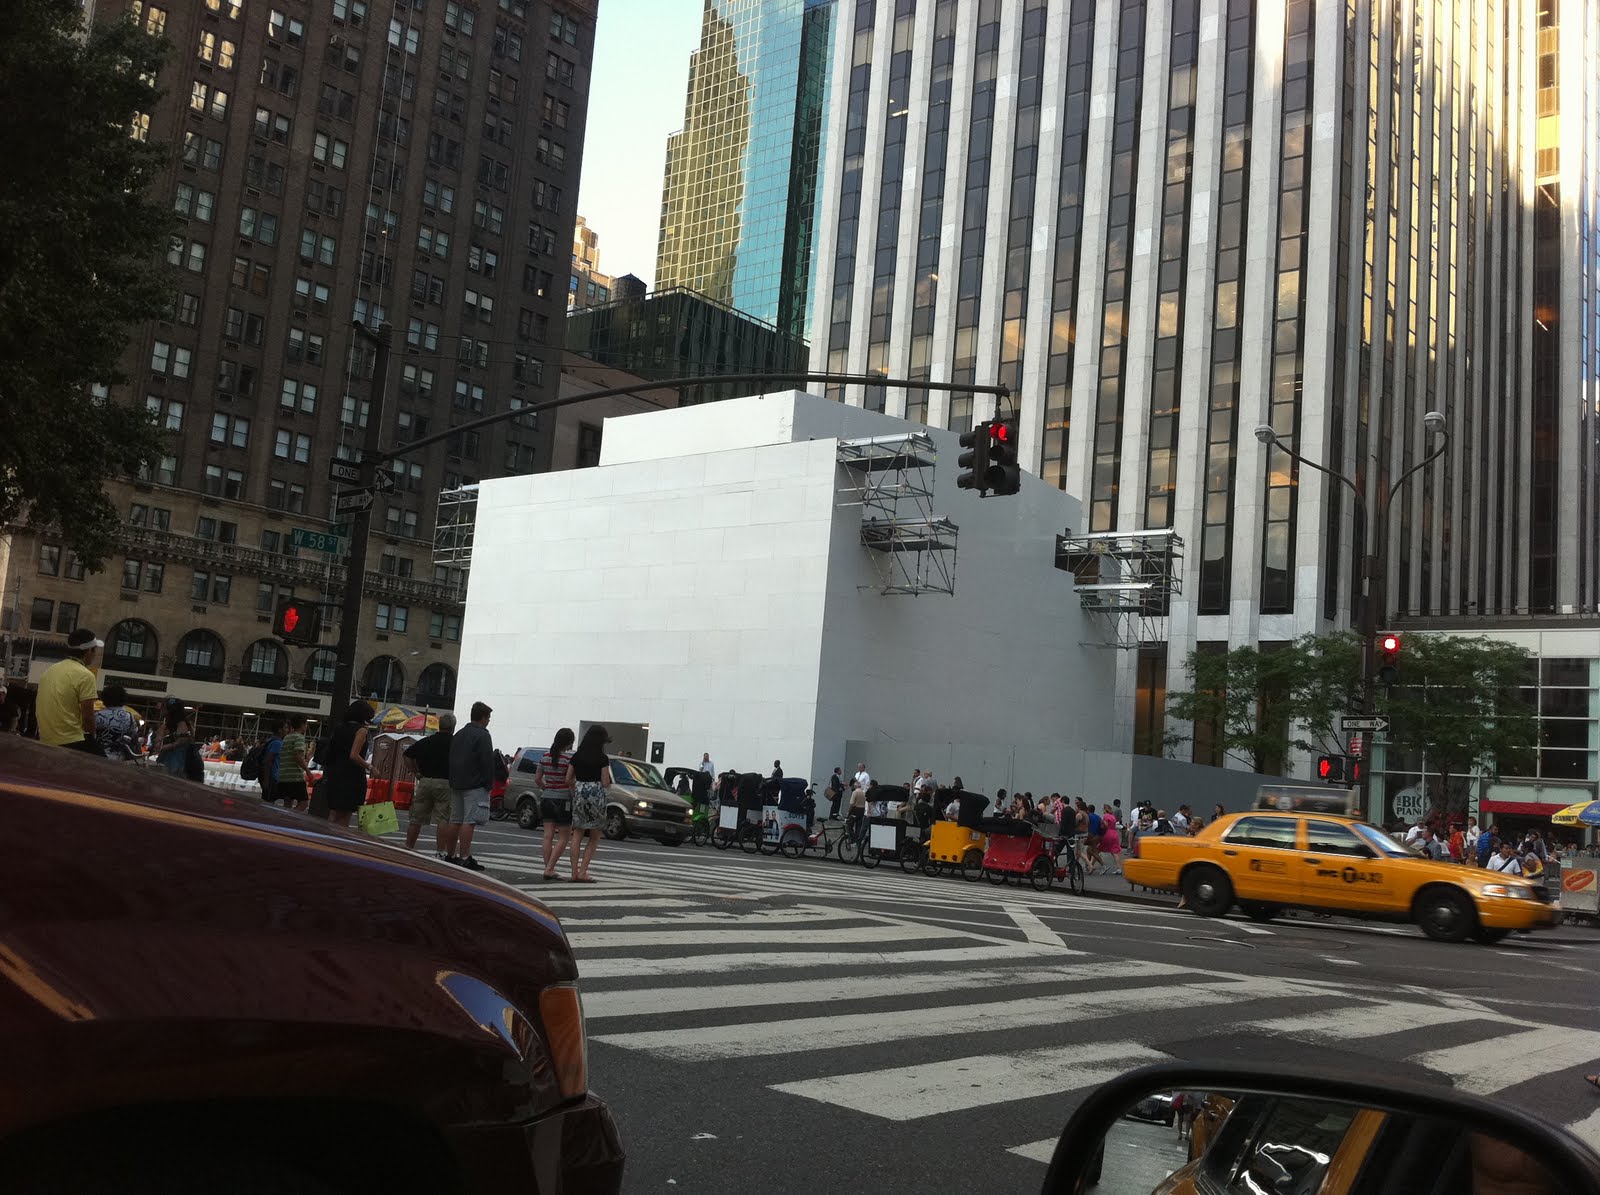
<point>1519,808</point>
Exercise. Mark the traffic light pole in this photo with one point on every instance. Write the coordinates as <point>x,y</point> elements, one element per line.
<point>355,565</point>
<point>1373,568</point>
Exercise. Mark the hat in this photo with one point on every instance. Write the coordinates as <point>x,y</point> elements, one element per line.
<point>83,639</point>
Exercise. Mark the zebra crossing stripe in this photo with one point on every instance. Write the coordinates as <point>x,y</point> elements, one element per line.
<point>794,1035</point>
<point>638,1002</point>
<point>1543,1051</point>
<point>716,963</point>
<point>1587,1130</point>
<point>781,933</point>
<point>1374,1020</point>
<point>1036,1151</point>
<point>905,1093</point>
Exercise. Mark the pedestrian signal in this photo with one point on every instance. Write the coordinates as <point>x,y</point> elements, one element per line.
<point>297,620</point>
<point>1330,769</point>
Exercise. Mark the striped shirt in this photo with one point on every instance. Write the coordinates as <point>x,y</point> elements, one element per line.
<point>553,770</point>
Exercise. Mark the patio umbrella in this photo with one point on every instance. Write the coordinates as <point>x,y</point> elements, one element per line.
<point>1584,813</point>
<point>421,722</point>
<point>390,716</point>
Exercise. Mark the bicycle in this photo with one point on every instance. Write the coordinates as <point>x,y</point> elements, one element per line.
<point>1074,865</point>
<point>702,825</point>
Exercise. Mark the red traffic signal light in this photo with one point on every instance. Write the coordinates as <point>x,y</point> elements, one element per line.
<point>1005,473</point>
<point>297,620</point>
<point>1388,658</point>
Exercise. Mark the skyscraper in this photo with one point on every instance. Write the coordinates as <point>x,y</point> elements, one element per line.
<point>737,206</point>
<point>407,163</point>
<point>1165,225</point>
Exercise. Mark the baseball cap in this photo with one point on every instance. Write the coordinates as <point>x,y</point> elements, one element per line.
<point>83,639</point>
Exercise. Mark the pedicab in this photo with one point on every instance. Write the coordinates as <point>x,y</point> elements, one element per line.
<point>891,830</point>
<point>785,823</point>
<point>1017,850</point>
<point>738,811</point>
<point>957,845</point>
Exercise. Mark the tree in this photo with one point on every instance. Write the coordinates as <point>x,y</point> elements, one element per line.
<point>1459,710</point>
<point>80,244</point>
<point>1257,703</point>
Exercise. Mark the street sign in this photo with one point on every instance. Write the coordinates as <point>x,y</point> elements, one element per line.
<point>1356,743</point>
<point>342,530</point>
<point>353,500</point>
<point>316,541</point>
<point>345,471</point>
<point>382,482</point>
<point>1371,723</point>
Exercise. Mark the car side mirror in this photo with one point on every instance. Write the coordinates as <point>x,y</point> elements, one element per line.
<point>1183,1127</point>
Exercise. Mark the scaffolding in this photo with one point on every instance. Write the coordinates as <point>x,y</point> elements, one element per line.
<point>453,525</point>
<point>891,479</point>
<point>1125,578</point>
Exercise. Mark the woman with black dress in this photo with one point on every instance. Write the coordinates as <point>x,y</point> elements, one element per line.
<point>344,766</point>
<point>588,777</point>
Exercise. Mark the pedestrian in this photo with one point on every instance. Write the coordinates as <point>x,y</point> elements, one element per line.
<point>588,777</point>
<point>1458,844</point>
<point>1488,841</point>
<point>345,766</point>
<point>292,763</point>
<point>1111,838</point>
<point>116,730</point>
<point>555,802</point>
<point>926,787</point>
<point>64,705</point>
<point>428,760</point>
<point>835,793</point>
<point>472,772</point>
<point>1218,811</point>
<point>174,743</point>
<point>271,758</point>
<point>863,778</point>
<point>855,824</point>
<point>916,779</point>
<point>1505,861</point>
<point>1180,821</point>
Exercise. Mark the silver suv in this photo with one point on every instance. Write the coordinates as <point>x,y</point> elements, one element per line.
<point>638,802</point>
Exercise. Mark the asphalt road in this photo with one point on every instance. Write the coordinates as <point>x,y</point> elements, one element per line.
<point>774,1025</point>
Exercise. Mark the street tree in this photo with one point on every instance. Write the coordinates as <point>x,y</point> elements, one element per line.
<point>80,263</point>
<point>1255,704</point>
<point>1458,709</point>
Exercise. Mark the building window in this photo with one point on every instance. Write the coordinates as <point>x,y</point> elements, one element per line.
<point>42,615</point>
<point>286,29</point>
<point>199,656</point>
<point>588,445</point>
<point>66,618</point>
<point>131,645</point>
<point>49,559</point>
<point>391,618</point>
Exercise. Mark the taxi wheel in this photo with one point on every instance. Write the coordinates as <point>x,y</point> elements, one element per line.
<point>1489,936</point>
<point>1257,911</point>
<point>1445,915</point>
<point>1208,891</point>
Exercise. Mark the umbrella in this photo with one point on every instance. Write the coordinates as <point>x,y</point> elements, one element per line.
<point>1584,813</point>
<point>421,722</point>
<point>390,716</point>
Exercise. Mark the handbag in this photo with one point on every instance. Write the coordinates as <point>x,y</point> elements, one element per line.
<point>379,818</point>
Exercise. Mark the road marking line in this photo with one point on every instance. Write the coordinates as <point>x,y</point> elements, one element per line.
<point>795,1035</point>
<point>1484,1071</point>
<point>955,1085</point>
<point>1587,1130</point>
<point>636,1002</point>
<point>1369,1020</point>
<point>1032,928</point>
<point>779,934</point>
<point>712,964</point>
<point>1036,1151</point>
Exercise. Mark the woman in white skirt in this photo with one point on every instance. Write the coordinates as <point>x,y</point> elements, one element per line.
<point>588,777</point>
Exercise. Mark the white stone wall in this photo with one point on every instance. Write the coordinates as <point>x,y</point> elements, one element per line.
<point>705,581</point>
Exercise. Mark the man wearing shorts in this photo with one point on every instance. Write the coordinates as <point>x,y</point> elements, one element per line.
<point>472,768</point>
<point>428,759</point>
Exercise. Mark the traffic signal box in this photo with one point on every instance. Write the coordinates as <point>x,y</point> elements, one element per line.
<point>1388,658</point>
<point>1339,769</point>
<point>990,463</point>
<point>297,620</point>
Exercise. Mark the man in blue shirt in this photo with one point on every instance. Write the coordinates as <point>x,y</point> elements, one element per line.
<point>269,764</point>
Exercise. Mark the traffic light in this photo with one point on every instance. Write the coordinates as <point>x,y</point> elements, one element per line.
<point>1005,474</point>
<point>1330,769</point>
<point>297,620</point>
<point>1388,658</point>
<point>975,461</point>
<point>1354,770</point>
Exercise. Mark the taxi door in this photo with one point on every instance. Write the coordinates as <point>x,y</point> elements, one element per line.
<point>1259,854</point>
<point>1339,871</point>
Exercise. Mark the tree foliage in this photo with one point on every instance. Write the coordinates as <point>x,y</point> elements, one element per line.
<point>1456,706</point>
<point>80,245</point>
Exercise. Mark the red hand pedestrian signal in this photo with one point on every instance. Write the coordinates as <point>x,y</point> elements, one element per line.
<point>297,621</point>
<point>291,619</point>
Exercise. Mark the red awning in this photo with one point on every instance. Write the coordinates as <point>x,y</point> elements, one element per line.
<point>1520,808</point>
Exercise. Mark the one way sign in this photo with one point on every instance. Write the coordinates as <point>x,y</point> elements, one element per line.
<point>345,471</point>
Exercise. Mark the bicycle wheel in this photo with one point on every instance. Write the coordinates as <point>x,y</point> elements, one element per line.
<point>849,850</point>
<point>911,857</point>
<point>750,841</point>
<point>871,858</point>
<point>722,839</point>
<point>1075,876</point>
<point>701,834</point>
<point>1042,873</point>
<point>793,847</point>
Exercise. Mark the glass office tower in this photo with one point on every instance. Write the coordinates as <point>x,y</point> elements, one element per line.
<point>739,195</point>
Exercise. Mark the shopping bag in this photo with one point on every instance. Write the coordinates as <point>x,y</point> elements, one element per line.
<point>380,818</point>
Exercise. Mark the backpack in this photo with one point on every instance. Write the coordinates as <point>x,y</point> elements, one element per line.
<point>250,769</point>
<point>1096,825</point>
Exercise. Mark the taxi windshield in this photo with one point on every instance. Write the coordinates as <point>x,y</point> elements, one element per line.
<point>1381,842</point>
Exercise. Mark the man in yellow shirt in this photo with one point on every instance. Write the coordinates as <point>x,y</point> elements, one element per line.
<point>64,707</point>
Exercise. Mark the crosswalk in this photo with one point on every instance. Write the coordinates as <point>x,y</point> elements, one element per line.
<point>888,1005</point>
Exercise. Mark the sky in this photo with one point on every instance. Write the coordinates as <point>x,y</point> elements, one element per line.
<point>636,91</point>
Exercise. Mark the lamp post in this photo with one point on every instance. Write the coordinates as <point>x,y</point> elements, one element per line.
<point>1374,564</point>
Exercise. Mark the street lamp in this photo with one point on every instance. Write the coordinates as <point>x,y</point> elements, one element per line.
<point>1375,563</point>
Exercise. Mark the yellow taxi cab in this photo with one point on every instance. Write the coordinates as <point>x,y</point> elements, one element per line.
<point>1301,848</point>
